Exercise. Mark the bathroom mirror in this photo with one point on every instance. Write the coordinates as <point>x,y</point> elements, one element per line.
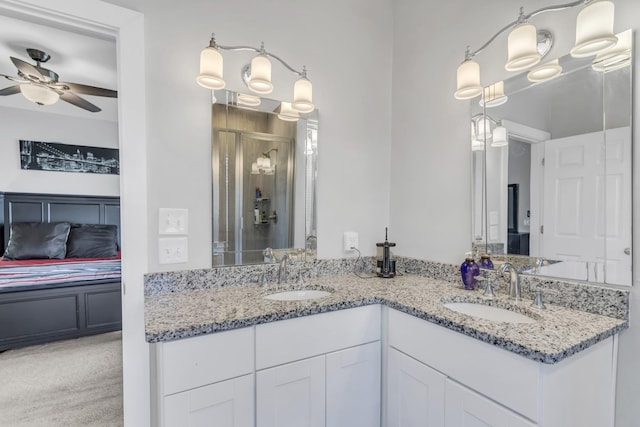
<point>264,166</point>
<point>552,170</point>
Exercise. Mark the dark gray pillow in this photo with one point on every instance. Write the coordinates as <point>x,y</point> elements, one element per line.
<point>37,240</point>
<point>92,241</point>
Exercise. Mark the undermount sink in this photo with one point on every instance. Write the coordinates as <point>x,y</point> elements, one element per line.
<point>488,312</point>
<point>298,295</point>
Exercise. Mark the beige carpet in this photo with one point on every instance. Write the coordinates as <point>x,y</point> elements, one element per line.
<point>67,383</point>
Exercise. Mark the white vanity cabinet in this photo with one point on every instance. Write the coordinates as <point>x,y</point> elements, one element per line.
<point>320,370</point>
<point>205,381</point>
<point>487,386</point>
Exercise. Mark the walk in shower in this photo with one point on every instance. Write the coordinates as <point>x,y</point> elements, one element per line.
<point>254,184</point>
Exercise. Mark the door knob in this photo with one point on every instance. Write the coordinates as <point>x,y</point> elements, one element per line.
<point>627,251</point>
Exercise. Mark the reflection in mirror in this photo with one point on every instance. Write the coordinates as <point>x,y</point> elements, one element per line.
<point>264,163</point>
<point>556,188</point>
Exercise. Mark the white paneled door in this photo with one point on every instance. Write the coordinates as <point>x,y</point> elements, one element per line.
<point>415,394</point>
<point>587,204</point>
<point>292,395</point>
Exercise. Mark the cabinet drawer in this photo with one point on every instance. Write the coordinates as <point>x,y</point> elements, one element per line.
<point>198,361</point>
<point>303,337</point>
<point>507,378</point>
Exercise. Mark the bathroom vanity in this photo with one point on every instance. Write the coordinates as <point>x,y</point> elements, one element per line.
<point>375,353</point>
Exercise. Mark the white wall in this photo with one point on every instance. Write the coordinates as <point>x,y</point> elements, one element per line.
<point>430,163</point>
<point>346,47</point>
<point>17,124</point>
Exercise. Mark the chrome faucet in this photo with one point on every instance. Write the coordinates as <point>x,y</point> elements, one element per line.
<point>514,280</point>
<point>282,268</point>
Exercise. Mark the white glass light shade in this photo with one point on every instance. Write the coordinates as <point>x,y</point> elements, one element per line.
<point>499,137</point>
<point>41,95</point>
<point>484,129</point>
<point>254,168</point>
<point>249,100</point>
<point>477,145</point>
<point>287,113</point>
<point>617,56</point>
<point>260,80</point>
<point>493,95</point>
<point>264,162</point>
<point>522,45</point>
<point>594,29</point>
<point>210,75</point>
<point>545,72</point>
<point>468,81</point>
<point>303,96</point>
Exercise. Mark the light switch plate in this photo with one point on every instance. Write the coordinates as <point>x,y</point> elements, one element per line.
<point>173,250</point>
<point>173,221</point>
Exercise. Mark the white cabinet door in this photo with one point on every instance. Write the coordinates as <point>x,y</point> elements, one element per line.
<point>415,393</point>
<point>292,395</point>
<point>466,408</point>
<point>353,387</point>
<point>225,404</point>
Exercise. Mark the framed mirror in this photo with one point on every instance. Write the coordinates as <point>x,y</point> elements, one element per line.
<point>264,169</point>
<point>552,170</point>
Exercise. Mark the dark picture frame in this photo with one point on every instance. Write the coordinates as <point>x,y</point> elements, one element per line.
<point>54,156</point>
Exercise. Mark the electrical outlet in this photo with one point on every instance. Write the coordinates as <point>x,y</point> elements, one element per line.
<point>173,250</point>
<point>173,221</point>
<point>350,240</point>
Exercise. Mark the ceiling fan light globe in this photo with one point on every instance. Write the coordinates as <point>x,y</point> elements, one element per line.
<point>40,95</point>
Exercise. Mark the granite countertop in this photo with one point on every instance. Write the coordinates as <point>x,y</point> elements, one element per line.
<point>557,333</point>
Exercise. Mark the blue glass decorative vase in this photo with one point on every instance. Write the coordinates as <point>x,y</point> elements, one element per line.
<point>485,262</point>
<point>469,270</point>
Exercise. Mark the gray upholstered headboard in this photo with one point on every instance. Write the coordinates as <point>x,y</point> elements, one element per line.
<point>29,207</point>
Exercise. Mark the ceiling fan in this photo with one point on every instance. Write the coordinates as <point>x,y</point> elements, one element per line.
<point>42,86</point>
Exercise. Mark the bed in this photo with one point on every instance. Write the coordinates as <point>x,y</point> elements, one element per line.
<point>46,300</point>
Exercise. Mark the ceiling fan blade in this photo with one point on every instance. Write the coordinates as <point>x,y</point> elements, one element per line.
<point>90,90</point>
<point>27,69</point>
<point>74,99</point>
<point>11,90</point>
<point>15,79</point>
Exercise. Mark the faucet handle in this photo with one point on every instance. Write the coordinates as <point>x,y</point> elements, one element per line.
<point>537,299</point>
<point>488,287</point>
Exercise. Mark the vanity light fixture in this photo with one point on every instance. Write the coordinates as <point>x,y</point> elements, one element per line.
<point>262,165</point>
<point>257,76</point>
<point>617,56</point>
<point>594,33</point>
<point>287,112</point>
<point>545,72</point>
<point>493,95</point>
<point>522,45</point>
<point>500,137</point>
<point>248,100</point>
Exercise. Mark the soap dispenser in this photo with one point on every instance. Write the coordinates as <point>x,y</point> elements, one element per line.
<point>386,267</point>
<point>469,270</point>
